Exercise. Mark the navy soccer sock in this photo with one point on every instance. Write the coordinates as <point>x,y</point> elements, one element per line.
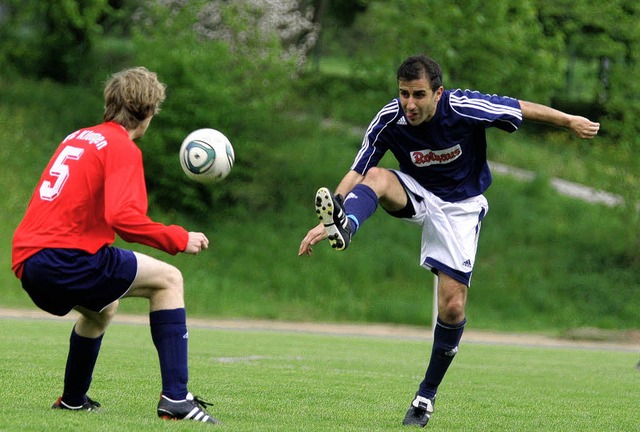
<point>445,346</point>
<point>82,357</point>
<point>170,337</point>
<point>359,204</point>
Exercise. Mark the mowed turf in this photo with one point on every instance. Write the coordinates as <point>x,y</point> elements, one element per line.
<point>290,381</point>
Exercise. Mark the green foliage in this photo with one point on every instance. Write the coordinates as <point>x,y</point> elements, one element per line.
<point>337,383</point>
<point>606,34</point>
<point>566,241</point>
<point>623,106</point>
<point>358,99</point>
<point>457,37</point>
<point>545,262</point>
<point>240,92</point>
<point>533,49</point>
<point>592,30</point>
<point>600,164</point>
<point>569,52</point>
<point>53,39</point>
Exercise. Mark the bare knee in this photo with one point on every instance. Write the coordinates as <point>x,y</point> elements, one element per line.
<point>93,324</point>
<point>377,178</point>
<point>173,278</point>
<point>451,311</point>
<point>107,314</point>
<point>452,299</point>
<point>169,294</point>
<point>387,187</point>
<point>159,282</point>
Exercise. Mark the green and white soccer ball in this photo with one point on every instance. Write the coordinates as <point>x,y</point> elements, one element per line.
<point>207,156</point>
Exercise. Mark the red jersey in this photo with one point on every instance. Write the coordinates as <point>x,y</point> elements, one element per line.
<point>92,189</point>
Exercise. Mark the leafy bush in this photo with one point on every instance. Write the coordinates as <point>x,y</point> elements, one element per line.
<point>544,262</point>
<point>493,47</point>
<point>53,39</point>
<point>240,92</point>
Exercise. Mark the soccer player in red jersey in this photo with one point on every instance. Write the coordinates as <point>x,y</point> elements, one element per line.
<point>92,189</point>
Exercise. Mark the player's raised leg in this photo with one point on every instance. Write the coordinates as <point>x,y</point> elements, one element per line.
<point>342,218</point>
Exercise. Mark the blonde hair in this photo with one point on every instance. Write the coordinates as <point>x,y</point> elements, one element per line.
<point>131,96</point>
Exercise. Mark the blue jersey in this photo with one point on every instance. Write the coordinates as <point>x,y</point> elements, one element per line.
<point>448,154</point>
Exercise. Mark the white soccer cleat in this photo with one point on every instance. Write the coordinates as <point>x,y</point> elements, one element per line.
<point>331,213</point>
<point>419,411</point>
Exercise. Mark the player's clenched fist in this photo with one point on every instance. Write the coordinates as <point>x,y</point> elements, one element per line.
<point>196,243</point>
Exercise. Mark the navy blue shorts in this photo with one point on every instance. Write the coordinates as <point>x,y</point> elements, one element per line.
<point>57,280</point>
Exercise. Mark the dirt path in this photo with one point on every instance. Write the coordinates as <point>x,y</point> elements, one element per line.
<point>586,339</point>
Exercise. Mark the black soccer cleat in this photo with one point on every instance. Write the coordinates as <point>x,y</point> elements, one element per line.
<point>89,405</point>
<point>332,215</point>
<point>419,411</point>
<point>191,408</point>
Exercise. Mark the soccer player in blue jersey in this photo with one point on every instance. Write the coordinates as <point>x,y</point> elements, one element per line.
<point>438,138</point>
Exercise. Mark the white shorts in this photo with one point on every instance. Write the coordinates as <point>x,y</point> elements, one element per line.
<point>449,230</point>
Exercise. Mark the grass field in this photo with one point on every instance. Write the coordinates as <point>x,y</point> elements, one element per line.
<point>294,381</point>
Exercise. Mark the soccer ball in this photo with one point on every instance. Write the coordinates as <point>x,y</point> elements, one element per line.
<point>206,155</point>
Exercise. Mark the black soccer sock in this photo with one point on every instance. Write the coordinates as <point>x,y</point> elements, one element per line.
<point>170,337</point>
<point>83,353</point>
<point>359,204</point>
<point>445,346</point>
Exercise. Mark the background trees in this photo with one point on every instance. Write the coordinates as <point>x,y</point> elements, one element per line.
<point>242,62</point>
<point>248,65</point>
<point>567,51</point>
<point>53,39</point>
<point>294,84</point>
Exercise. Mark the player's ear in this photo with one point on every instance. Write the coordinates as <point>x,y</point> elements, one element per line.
<point>439,92</point>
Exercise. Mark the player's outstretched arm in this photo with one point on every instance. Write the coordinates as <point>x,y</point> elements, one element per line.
<point>196,243</point>
<point>580,126</point>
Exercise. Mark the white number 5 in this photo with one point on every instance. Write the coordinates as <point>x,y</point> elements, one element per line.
<point>61,171</point>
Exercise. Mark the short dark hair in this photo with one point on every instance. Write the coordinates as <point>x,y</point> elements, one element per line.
<point>421,66</point>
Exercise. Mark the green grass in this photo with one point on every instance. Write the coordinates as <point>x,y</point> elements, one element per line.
<point>289,381</point>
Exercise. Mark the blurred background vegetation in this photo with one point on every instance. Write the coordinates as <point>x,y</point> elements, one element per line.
<point>293,84</point>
